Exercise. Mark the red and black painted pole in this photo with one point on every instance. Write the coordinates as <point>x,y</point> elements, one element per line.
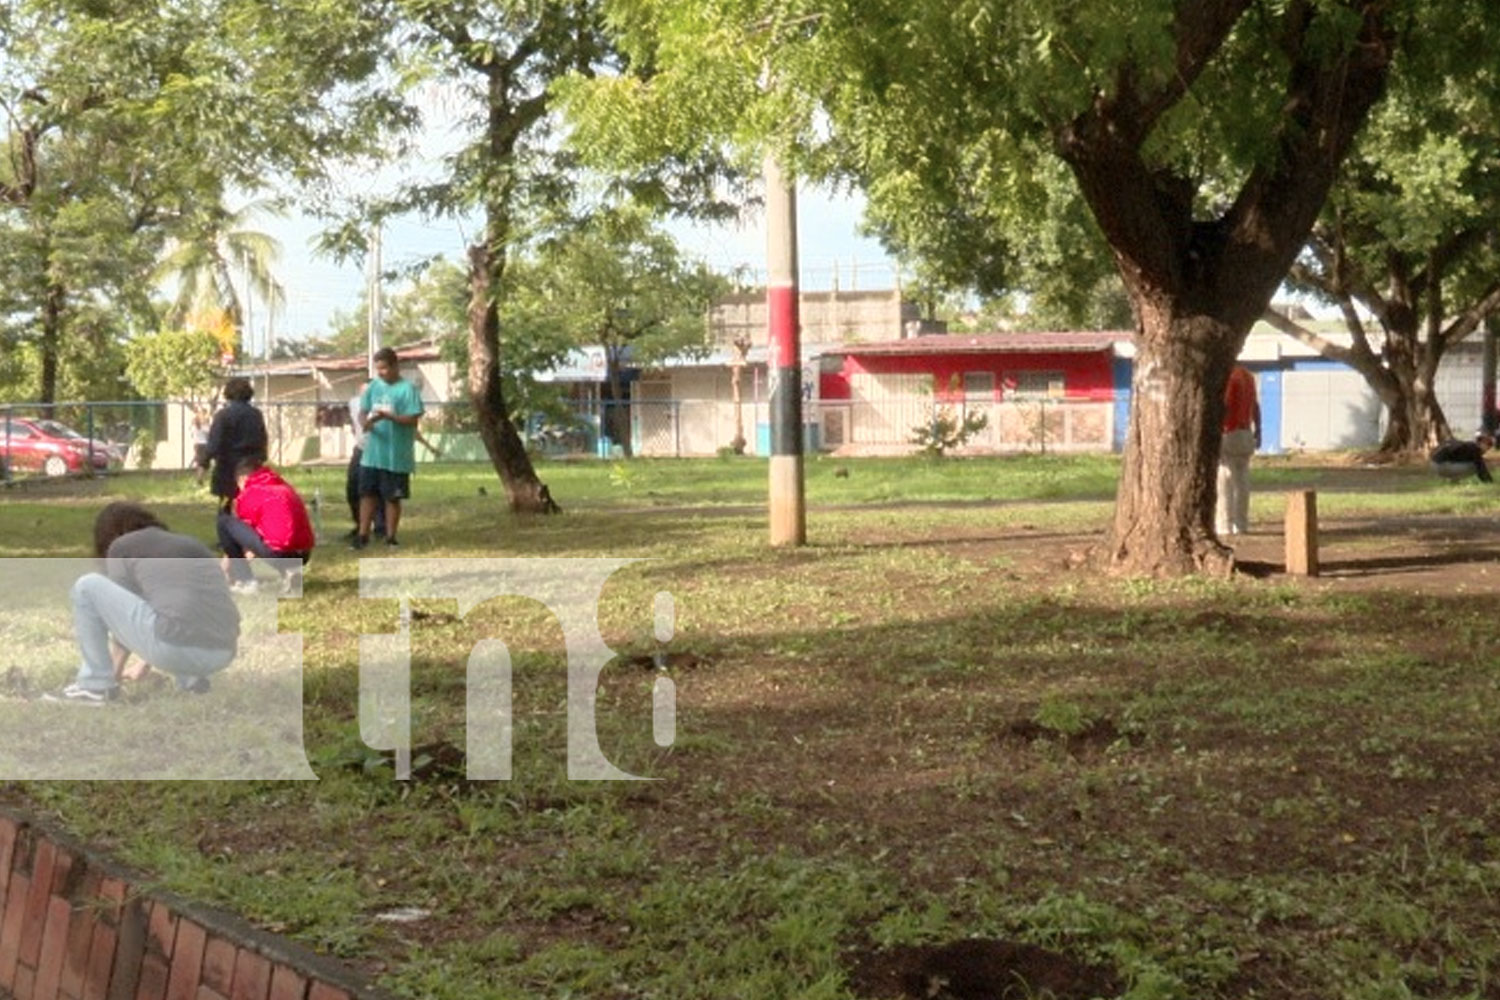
<point>788,508</point>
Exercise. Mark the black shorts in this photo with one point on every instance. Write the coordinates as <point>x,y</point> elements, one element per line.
<point>383,483</point>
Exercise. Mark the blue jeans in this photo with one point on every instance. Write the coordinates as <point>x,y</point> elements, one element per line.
<point>102,608</point>
<point>236,538</point>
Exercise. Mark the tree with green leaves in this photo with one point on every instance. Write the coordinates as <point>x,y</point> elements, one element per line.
<point>1202,135</point>
<point>503,57</point>
<point>1039,265</point>
<point>89,363</point>
<point>212,246</point>
<point>124,123</point>
<point>174,364</point>
<point>1410,240</point>
<point>616,279</point>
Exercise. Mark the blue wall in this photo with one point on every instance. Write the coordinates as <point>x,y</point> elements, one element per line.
<point>1122,369</point>
<point>1268,388</point>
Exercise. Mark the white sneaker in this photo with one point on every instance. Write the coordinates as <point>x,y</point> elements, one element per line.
<point>245,587</point>
<point>75,695</point>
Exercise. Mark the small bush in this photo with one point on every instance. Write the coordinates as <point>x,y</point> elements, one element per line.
<point>144,446</point>
<point>946,431</point>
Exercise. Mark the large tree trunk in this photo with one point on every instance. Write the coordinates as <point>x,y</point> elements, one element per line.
<point>617,411</point>
<point>1415,421</point>
<point>51,343</point>
<point>1163,523</point>
<point>1198,284</point>
<point>525,491</point>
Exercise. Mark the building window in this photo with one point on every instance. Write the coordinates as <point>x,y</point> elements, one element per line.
<point>1035,385</point>
<point>979,387</point>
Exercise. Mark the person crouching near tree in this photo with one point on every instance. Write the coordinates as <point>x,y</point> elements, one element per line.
<point>1462,459</point>
<point>268,521</point>
<point>160,597</point>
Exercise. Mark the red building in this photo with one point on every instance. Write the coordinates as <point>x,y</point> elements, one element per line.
<point>1055,391</point>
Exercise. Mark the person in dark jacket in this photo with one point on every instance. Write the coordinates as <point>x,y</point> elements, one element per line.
<point>238,431</point>
<point>161,597</point>
<point>269,521</point>
<point>1462,459</point>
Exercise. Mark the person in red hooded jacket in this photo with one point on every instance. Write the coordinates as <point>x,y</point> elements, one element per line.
<point>269,521</point>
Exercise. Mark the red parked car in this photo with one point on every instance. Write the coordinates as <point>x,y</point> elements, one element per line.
<point>52,448</point>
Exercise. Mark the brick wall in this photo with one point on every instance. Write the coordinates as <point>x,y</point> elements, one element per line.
<point>75,927</point>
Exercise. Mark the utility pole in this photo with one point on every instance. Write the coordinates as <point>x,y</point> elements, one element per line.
<point>247,329</point>
<point>788,509</point>
<point>374,318</point>
<point>1488,418</point>
<point>270,342</point>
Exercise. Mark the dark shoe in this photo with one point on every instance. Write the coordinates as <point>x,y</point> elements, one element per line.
<point>75,695</point>
<point>359,542</point>
<point>391,543</point>
<point>194,685</point>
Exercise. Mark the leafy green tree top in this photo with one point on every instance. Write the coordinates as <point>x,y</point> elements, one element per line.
<point>618,280</point>
<point>174,364</point>
<point>127,122</point>
<point>1407,246</point>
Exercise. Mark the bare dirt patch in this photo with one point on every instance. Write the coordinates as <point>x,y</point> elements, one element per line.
<point>977,970</point>
<point>1431,554</point>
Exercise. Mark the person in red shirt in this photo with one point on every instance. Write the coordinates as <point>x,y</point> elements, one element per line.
<point>1240,439</point>
<point>269,521</point>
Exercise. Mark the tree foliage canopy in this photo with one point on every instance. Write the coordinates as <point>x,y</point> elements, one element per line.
<point>174,364</point>
<point>1409,235</point>
<point>617,279</point>
<point>126,123</point>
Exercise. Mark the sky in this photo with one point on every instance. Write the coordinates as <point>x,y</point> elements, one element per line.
<point>831,250</point>
<point>316,288</point>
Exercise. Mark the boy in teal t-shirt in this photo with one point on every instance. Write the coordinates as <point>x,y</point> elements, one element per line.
<point>390,408</point>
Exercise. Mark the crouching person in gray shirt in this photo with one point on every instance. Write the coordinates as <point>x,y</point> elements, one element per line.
<point>161,597</point>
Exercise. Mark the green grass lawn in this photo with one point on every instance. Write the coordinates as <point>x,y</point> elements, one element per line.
<point>918,729</point>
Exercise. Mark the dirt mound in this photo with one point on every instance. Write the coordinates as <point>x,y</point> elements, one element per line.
<point>977,969</point>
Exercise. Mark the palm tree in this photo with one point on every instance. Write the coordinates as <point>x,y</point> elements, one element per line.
<point>214,247</point>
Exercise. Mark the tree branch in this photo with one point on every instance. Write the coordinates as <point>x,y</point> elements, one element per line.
<point>23,167</point>
<point>457,36</point>
<point>1200,29</point>
<point>1356,326</point>
<point>1431,278</point>
<point>1326,103</point>
<point>1150,213</point>
<point>1468,321</point>
<point>524,50</point>
<point>1444,254</point>
<point>1302,334</point>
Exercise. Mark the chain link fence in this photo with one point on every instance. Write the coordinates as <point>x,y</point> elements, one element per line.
<point>77,438</point>
<point>1312,410</point>
<point>893,424</point>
